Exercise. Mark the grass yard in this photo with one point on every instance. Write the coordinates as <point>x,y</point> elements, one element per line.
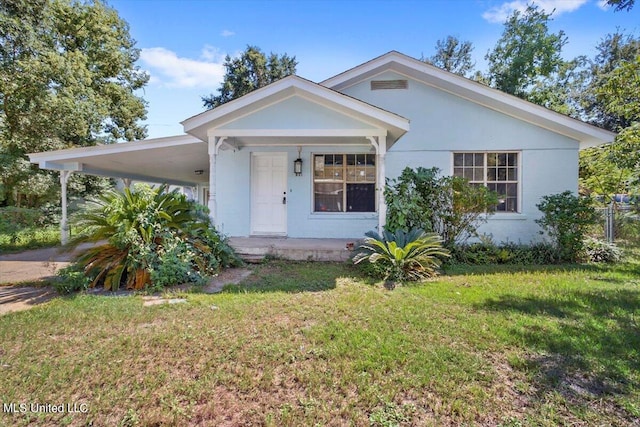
<point>315,344</point>
<point>29,238</point>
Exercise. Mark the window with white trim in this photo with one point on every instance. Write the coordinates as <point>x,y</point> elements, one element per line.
<point>498,171</point>
<point>344,183</point>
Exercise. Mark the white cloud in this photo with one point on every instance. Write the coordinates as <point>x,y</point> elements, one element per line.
<point>602,4</point>
<point>170,70</point>
<point>227,33</point>
<point>499,14</point>
<point>211,54</point>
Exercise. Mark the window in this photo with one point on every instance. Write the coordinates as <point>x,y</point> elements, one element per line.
<point>496,171</point>
<point>344,183</point>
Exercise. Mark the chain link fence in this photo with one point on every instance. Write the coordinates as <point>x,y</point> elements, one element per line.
<point>619,222</point>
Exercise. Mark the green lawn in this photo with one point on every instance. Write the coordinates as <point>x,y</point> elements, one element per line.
<point>29,238</point>
<point>314,344</point>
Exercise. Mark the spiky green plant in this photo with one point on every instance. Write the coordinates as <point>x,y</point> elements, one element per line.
<point>406,256</point>
<point>151,236</point>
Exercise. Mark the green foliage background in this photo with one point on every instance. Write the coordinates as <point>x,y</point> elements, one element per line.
<point>68,75</point>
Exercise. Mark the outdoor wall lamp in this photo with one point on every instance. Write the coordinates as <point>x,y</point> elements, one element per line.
<point>297,164</point>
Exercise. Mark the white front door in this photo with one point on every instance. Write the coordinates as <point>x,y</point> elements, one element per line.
<point>269,194</point>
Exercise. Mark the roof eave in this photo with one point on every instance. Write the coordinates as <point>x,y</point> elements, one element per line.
<point>71,153</point>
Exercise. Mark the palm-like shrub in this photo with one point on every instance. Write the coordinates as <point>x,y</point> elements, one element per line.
<point>405,256</point>
<point>153,237</point>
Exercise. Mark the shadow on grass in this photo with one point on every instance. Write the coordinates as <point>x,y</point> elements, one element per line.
<point>584,344</point>
<point>293,277</point>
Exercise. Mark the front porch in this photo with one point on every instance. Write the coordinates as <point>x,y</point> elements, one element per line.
<point>256,249</point>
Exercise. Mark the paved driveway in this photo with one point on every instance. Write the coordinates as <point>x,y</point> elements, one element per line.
<point>34,265</point>
<point>29,266</point>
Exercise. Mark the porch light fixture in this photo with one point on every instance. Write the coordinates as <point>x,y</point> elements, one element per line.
<point>297,164</point>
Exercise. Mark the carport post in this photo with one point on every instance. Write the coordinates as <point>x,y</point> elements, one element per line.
<point>64,226</point>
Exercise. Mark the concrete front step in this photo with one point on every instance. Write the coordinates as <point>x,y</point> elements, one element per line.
<point>254,249</point>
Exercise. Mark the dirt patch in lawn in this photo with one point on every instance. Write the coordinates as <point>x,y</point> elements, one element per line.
<point>228,276</point>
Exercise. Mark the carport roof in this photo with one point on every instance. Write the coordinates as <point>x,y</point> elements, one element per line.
<point>173,160</point>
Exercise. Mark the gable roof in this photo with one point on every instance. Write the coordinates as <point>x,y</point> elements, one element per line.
<point>587,135</point>
<point>295,86</point>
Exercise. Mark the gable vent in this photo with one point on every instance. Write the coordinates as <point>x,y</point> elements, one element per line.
<point>388,84</point>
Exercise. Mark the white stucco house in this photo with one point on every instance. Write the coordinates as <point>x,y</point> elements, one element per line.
<point>351,132</point>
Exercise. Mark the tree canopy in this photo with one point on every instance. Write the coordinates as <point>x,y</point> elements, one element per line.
<point>621,4</point>
<point>453,55</point>
<point>613,51</point>
<point>67,78</point>
<point>525,52</point>
<point>248,72</point>
<point>611,101</point>
<point>621,96</point>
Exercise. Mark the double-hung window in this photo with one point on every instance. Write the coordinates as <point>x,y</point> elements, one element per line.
<point>344,183</point>
<point>498,171</point>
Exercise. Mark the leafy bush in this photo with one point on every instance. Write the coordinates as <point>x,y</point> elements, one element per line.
<point>13,219</point>
<point>487,252</point>
<point>71,279</point>
<point>405,256</point>
<point>448,206</point>
<point>596,250</point>
<point>153,237</point>
<point>566,219</point>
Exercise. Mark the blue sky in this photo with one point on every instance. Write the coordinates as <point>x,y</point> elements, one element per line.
<point>183,42</point>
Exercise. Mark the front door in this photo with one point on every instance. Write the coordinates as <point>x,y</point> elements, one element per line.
<point>269,194</point>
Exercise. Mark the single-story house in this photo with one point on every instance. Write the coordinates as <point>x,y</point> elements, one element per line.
<point>304,159</point>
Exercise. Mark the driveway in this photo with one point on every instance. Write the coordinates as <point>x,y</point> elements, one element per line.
<point>35,265</point>
<point>29,266</point>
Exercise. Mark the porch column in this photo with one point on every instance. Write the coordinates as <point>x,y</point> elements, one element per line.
<point>214,146</point>
<point>382,204</point>
<point>64,226</point>
<point>381,150</point>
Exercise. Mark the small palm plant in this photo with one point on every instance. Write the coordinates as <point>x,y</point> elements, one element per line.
<point>405,256</point>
